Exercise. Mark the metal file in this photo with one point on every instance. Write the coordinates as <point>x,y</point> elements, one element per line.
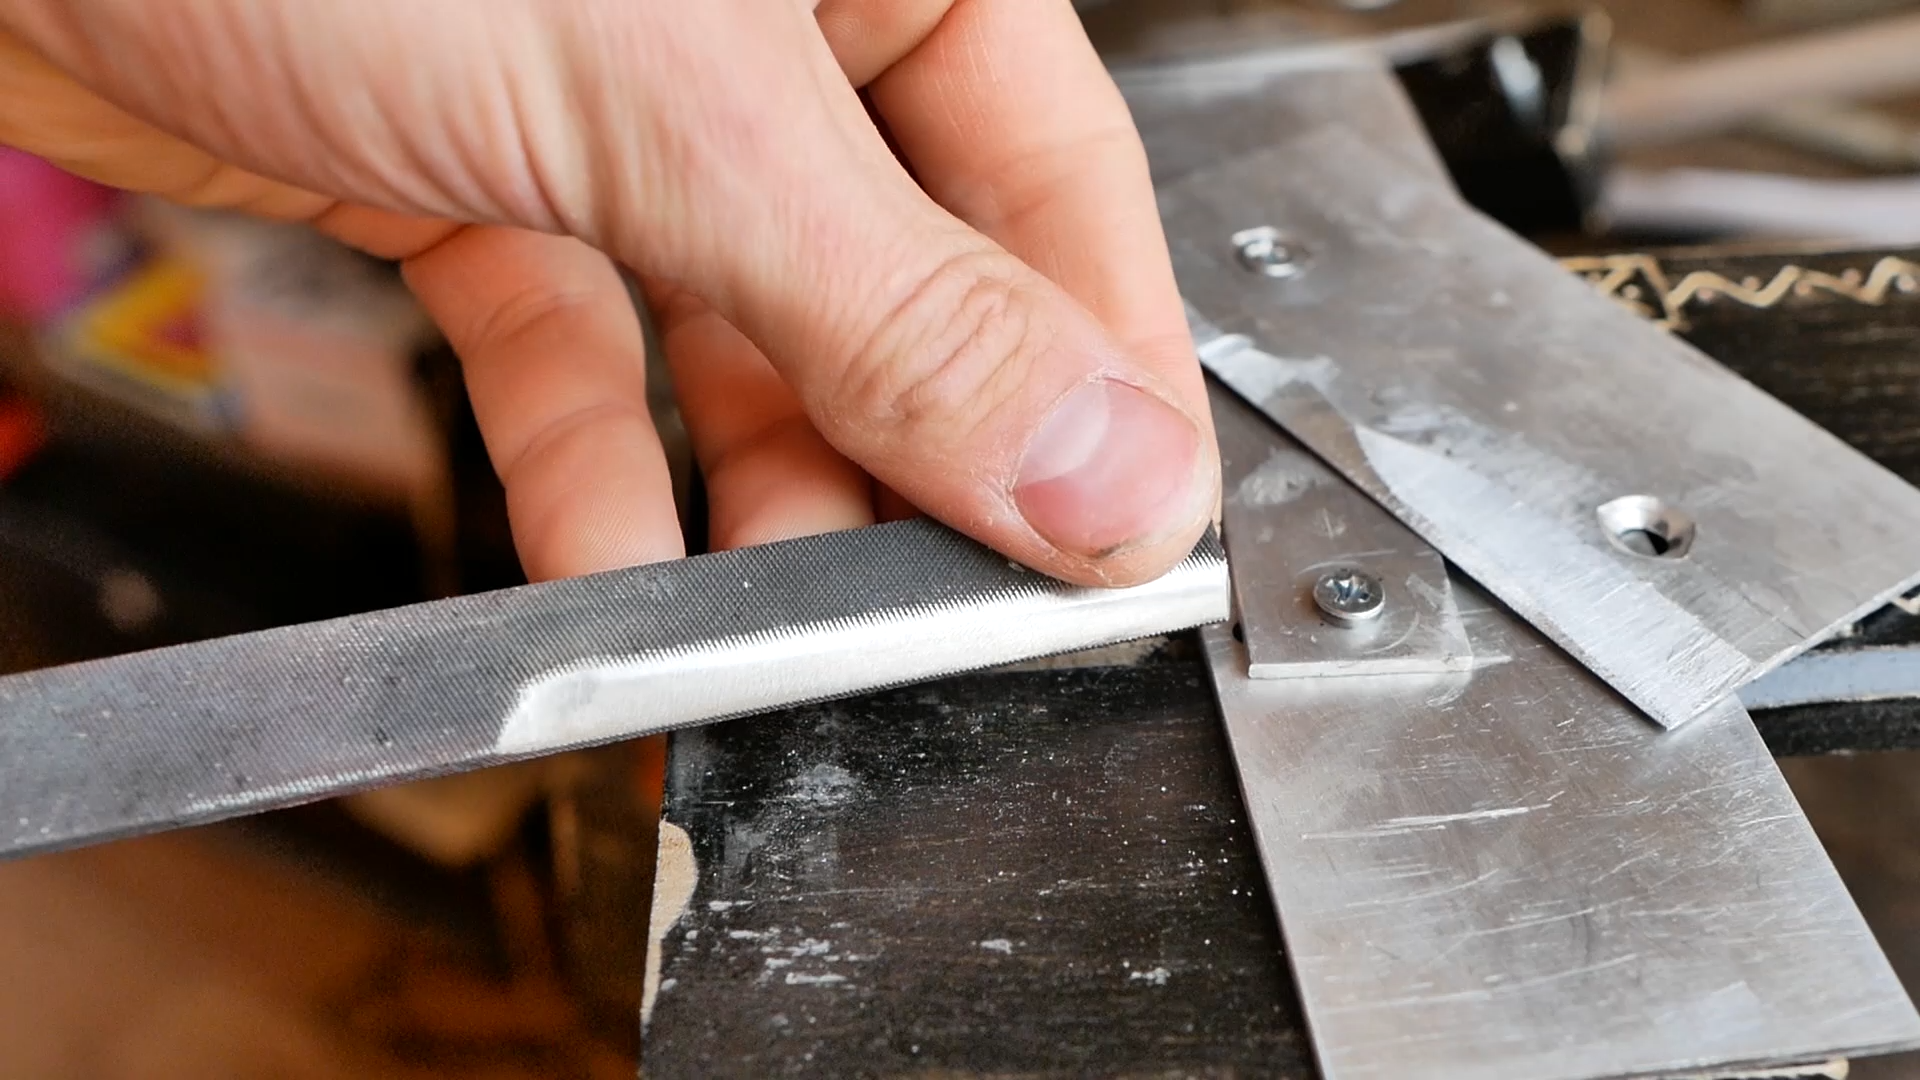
<point>216,729</point>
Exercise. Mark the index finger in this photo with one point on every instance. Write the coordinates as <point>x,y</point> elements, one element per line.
<point>1011,122</point>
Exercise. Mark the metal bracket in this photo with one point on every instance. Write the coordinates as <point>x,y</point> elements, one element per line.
<point>1291,524</point>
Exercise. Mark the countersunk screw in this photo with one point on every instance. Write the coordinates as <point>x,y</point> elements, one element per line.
<point>1349,596</point>
<point>1268,251</point>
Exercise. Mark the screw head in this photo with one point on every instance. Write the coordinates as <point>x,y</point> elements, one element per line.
<point>1348,596</point>
<point>1267,251</point>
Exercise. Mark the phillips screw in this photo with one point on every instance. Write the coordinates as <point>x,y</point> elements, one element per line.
<point>1348,596</point>
<point>1267,251</point>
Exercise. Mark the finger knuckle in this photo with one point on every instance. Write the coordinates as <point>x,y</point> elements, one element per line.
<point>960,343</point>
<point>565,445</point>
<point>535,312</point>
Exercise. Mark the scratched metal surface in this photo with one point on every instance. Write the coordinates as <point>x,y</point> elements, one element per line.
<point>1494,402</point>
<point>1507,874</point>
<point>1194,113</point>
<point>1288,519</point>
<point>199,732</point>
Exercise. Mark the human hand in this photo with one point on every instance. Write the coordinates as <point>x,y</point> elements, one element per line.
<point>995,337</point>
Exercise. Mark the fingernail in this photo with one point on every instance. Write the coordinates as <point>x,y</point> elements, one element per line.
<point>1113,467</point>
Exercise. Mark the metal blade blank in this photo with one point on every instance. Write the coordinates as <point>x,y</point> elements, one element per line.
<point>1673,527</point>
<point>220,728</point>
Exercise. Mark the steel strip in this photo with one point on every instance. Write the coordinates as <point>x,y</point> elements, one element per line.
<point>220,728</point>
<point>1512,418</point>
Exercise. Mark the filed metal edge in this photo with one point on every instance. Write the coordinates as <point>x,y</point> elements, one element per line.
<point>212,730</point>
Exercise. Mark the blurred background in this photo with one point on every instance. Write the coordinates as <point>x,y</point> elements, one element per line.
<point>210,424</point>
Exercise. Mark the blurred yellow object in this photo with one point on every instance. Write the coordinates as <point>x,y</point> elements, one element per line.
<point>150,326</point>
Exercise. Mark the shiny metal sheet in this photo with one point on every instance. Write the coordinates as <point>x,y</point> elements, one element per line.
<point>1507,874</point>
<point>1196,113</point>
<point>241,724</point>
<point>1288,519</point>
<point>1528,428</point>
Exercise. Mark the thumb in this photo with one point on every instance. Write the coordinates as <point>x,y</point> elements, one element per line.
<point>957,375</point>
<point>994,401</point>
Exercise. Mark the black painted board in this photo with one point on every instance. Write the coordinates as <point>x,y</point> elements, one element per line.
<point>1009,874</point>
<point>1031,874</point>
<point>1846,727</point>
<point>1835,334</point>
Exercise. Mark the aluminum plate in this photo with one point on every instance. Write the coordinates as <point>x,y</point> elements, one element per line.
<point>1507,874</point>
<point>1532,431</point>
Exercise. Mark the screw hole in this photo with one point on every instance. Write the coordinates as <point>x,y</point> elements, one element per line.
<point>1648,527</point>
<point>1643,542</point>
<point>1239,633</point>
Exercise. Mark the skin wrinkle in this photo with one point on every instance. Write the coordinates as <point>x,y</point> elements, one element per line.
<point>820,231</point>
<point>589,206</point>
<point>371,155</point>
<point>1025,183</point>
<point>704,155</point>
<point>52,33</point>
<point>528,311</point>
<point>887,38</point>
<point>462,165</point>
<point>835,235</point>
<point>564,427</point>
<point>417,159</point>
<point>305,101</point>
<point>544,200</point>
<point>555,538</point>
<point>942,335</point>
<point>205,116</point>
<point>852,289</point>
<point>755,440</point>
<point>769,472</point>
<point>1043,75</point>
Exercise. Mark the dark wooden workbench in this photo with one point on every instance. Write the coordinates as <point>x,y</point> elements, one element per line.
<point>1045,872</point>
